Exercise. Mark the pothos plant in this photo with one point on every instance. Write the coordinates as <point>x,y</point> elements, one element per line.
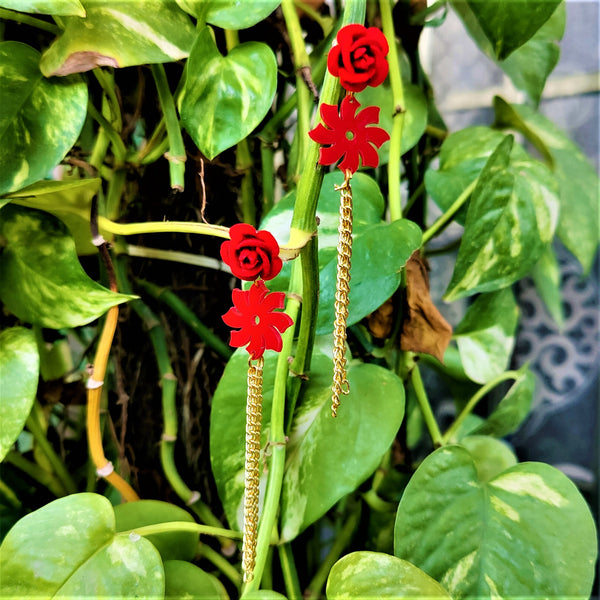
<point>350,488</point>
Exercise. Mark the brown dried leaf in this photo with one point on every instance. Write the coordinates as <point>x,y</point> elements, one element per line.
<point>424,329</point>
<point>380,321</point>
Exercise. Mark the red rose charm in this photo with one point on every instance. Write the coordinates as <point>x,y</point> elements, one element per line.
<point>258,326</point>
<point>250,253</point>
<point>358,58</point>
<point>348,136</point>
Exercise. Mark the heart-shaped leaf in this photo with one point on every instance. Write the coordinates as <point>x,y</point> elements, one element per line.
<point>508,24</point>
<point>184,580</point>
<point>69,549</point>
<point>546,275</point>
<point>378,575</point>
<point>176,545</point>
<point>120,33</point>
<point>70,201</point>
<point>230,14</point>
<point>320,469</point>
<point>47,7</point>
<point>226,97</point>
<point>511,217</point>
<point>486,335</point>
<point>42,281</point>
<point>491,456</point>
<point>526,533</point>
<point>35,135</point>
<point>19,372</point>
<point>512,409</point>
<point>577,179</point>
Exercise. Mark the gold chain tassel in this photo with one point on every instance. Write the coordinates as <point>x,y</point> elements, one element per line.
<point>252,473</point>
<point>342,289</point>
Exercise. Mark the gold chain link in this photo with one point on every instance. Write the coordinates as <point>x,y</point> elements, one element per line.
<point>342,289</point>
<point>251,469</point>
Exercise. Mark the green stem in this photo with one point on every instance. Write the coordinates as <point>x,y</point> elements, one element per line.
<point>221,563</point>
<point>114,193</point>
<point>445,219</point>
<point>9,495</point>
<point>428,416</point>
<point>399,110</point>
<point>162,227</point>
<point>186,258</point>
<point>176,156</point>
<point>119,149</point>
<point>178,526</point>
<point>341,542</point>
<point>187,316</point>
<point>24,19</point>
<point>107,83</point>
<point>475,398</point>
<point>290,574</point>
<point>57,464</point>
<point>277,441</point>
<point>43,477</point>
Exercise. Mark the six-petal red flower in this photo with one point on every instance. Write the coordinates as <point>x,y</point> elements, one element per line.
<point>250,253</point>
<point>258,326</point>
<point>348,136</point>
<point>358,57</point>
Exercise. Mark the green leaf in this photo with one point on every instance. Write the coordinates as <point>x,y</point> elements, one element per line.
<point>70,201</point>
<point>19,372</point>
<point>511,217</point>
<point>377,575</point>
<point>512,409</point>
<point>42,281</point>
<point>546,276</point>
<point>526,533</point>
<point>320,469</point>
<point>486,335</point>
<point>226,97</point>
<point>508,24</point>
<point>415,116</point>
<point>185,581</point>
<point>34,133</point>
<point>378,256</point>
<point>367,212</point>
<point>176,545</point>
<point>228,429</point>
<point>120,33</point>
<point>47,7</point>
<point>230,14</point>
<point>578,182</point>
<point>529,66</point>
<point>264,595</point>
<point>317,459</point>
<point>69,549</point>
<point>491,456</point>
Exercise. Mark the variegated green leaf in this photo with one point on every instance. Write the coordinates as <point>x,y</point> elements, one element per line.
<point>511,217</point>
<point>377,575</point>
<point>546,275</point>
<point>512,409</point>
<point>19,371</point>
<point>226,97</point>
<point>486,335</point>
<point>320,469</point>
<point>40,119</point>
<point>185,581</point>
<point>120,33</point>
<point>42,281</point>
<point>578,182</point>
<point>526,533</point>
<point>230,14</point>
<point>68,549</point>
<point>70,201</point>
<point>46,7</point>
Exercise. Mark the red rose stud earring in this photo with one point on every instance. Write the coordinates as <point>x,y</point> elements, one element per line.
<point>253,256</point>
<point>358,59</point>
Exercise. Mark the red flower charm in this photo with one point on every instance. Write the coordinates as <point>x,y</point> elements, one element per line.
<point>250,253</point>
<point>252,313</point>
<point>358,58</point>
<point>348,135</point>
